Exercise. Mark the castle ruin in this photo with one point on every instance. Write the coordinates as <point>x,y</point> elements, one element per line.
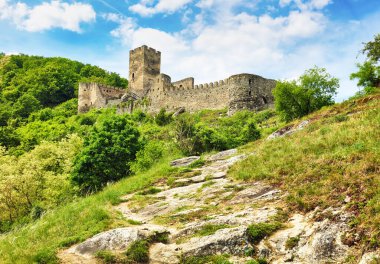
<point>147,84</point>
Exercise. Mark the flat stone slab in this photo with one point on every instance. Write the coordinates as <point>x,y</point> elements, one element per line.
<point>184,161</point>
<point>115,239</point>
<point>288,130</point>
<point>222,155</point>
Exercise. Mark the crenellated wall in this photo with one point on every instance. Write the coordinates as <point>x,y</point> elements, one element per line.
<point>152,90</point>
<point>243,91</point>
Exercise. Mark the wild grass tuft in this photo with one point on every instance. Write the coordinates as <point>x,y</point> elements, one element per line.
<point>333,158</point>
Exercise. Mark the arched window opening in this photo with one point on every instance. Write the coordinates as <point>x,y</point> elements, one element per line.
<point>133,77</point>
<point>265,100</point>
<point>250,81</point>
<point>250,93</point>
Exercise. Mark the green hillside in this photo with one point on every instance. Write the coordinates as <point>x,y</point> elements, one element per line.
<point>335,157</point>
<point>63,173</point>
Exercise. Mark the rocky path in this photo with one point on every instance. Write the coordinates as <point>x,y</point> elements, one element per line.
<point>203,213</point>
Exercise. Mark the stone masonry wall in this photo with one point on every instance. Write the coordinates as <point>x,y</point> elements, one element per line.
<point>94,95</point>
<point>144,67</point>
<point>238,92</point>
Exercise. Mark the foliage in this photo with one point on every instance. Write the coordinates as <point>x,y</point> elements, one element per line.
<point>292,242</point>
<point>36,181</point>
<point>194,136</point>
<point>256,232</point>
<point>77,220</point>
<point>368,73</point>
<point>372,49</point>
<point>163,118</point>
<point>107,153</point>
<point>139,251</point>
<point>106,257</point>
<point>328,161</point>
<point>313,90</point>
<point>30,83</point>
<point>210,229</point>
<point>147,156</point>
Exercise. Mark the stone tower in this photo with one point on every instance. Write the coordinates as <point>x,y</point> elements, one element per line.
<point>144,69</point>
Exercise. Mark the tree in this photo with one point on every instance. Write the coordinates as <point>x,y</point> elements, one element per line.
<point>108,151</point>
<point>372,49</point>
<point>313,90</point>
<point>368,74</point>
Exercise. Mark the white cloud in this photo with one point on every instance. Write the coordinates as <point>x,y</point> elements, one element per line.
<point>48,15</point>
<point>279,47</point>
<point>146,8</point>
<point>306,5</point>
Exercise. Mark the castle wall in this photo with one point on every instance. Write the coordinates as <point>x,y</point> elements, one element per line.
<point>238,92</point>
<point>251,92</point>
<point>204,96</point>
<point>243,91</point>
<point>186,83</point>
<point>94,95</point>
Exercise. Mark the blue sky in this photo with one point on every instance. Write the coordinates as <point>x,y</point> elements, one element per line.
<point>207,39</point>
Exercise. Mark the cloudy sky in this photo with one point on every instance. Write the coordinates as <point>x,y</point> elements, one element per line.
<point>207,39</point>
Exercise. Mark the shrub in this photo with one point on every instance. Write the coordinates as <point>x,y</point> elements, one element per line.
<point>313,90</point>
<point>107,154</point>
<point>163,118</point>
<point>106,256</point>
<point>292,242</point>
<point>256,232</point>
<point>147,156</point>
<point>138,251</point>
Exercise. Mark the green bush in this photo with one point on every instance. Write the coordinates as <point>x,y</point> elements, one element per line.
<point>107,154</point>
<point>195,137</point>
<point>163,118</point>
<point>147,156</point>
<point>313,90</point>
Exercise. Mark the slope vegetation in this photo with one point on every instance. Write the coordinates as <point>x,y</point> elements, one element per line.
<point>323,177</point>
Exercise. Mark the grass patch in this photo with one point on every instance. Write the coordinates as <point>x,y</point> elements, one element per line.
<point>138,251</point>
<point>202,214</point>
<point>326,162</point>
<point>107,257</point>
<point>133,222</point>
<point>292,242</point>
<point>256,232</point>
<point>209,229</point>
<point>219,259</point>
<point>257,261</point>
<point>150,191</point>
<point>74,222</point>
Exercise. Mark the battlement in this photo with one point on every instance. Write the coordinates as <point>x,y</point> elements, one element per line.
<point>211,84</point>
<point>93,85</point>
<point>144,48</point>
